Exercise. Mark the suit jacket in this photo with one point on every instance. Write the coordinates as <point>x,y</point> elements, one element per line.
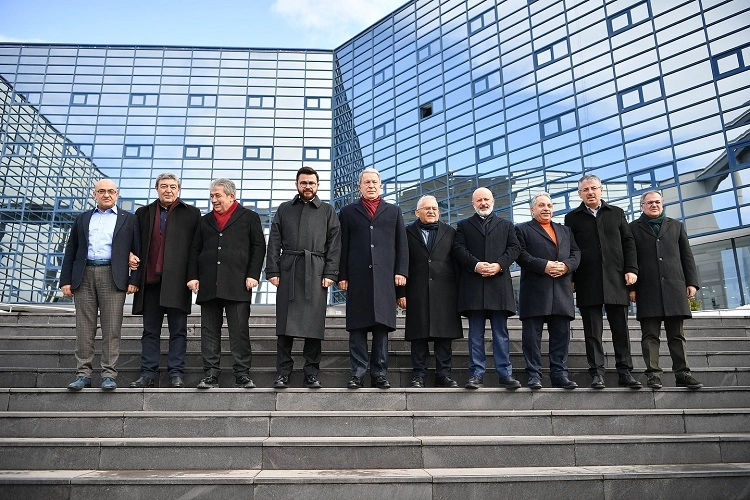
<point>667,268</point>
<point>223,260</point>
<point>541,294</point>
<point>373,251</point>
<point>432,288</point>
<point>126,239</point>
<point>607,253</point>
<point>181,223</point>
<point>497,243</point>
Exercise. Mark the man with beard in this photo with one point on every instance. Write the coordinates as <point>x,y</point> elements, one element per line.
<point>302,261</point>
<point>486,246</point>
<point>430,296</point>
<point>226,258</point>
<point>374,261</point>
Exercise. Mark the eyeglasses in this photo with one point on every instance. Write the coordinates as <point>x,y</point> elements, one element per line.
<point>102,192</point>
<point>430,209</point>
<point>589,189</point>
<point>307,183</point>
<point>652,202</point>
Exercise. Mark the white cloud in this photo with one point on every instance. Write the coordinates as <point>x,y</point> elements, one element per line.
<point>7,39</point>
<point>333,22</point>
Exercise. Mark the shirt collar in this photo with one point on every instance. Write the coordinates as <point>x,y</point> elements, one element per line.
<point>112,210</point>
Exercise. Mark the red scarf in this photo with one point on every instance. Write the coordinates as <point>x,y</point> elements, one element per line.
<point>222,219</point>
<point>371,205</point>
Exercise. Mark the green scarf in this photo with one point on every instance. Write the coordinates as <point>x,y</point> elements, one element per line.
<point>655,223</point>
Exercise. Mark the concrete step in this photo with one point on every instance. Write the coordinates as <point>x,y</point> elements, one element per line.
<point>672,482</point>
<point>334,453</point>
<point>141,424</point>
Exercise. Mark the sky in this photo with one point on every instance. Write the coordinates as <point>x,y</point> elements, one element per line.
<point>293,24</point>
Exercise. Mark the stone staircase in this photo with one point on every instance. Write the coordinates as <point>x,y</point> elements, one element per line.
<point>338,444</point>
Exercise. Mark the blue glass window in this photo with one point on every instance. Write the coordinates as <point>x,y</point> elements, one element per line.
<point>202,100</point>
<point>559,124</point>
<point>317,102</point>
<point>486,82</point>
<point>383,129</point>
<point>640,95</point>
<point>484,19</point>
<point>84,99</point>
<point>258,152</point>
<point>260,101</point>
<point>316,154</point>
<point>199,152</point>
<point>428,50</point>
<point>382,75</point>
<point>490,149</point>
<point>731,62</point>
<point>144,99</point>
<point>551,53</point>
<point>138,151</point>
<point>628,18</point>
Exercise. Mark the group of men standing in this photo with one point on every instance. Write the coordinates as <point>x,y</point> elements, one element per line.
<point>167,251</point>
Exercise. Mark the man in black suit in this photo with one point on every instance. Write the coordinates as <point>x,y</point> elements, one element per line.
<point>95,272</point>
<point>486,246</point>
<point>374,261</point>
<point>549,256</point>
<point>225,261</point>
<point>167,228</point>
<point>431,294</point>
<point>608,266</point>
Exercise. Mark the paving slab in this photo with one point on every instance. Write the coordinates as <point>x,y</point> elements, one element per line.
<point>340,399</point>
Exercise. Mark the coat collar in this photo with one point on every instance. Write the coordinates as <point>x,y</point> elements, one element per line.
<point>314,202</point>
<point>642,223</point>
<point>583,208</point>
<point>413,228</point>
<point>476,221</point>
<point>361,208</point>
<point>236,215</point>
<point>536,226</point>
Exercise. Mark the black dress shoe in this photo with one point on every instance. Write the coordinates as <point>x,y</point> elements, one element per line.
<point>244,382</point>
<point>564,383</point>
<point>597,382</point>
<point>417,382</point>
<point>654,381</point>
<point>627,380</point>
<point>534,383</point>
<point>445,382</point>
<point>509,383</point>
<point>142,382</point>
<point>208,382</point>
<point>282,382</point>
<point>177,382</point>
<point>688,381</point>
<point>354,383</point>
<point>474,383</point>
<point>381,382</point>
<point>311,382</point>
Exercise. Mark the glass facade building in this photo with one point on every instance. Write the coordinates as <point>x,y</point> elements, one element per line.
<point>441,96</point>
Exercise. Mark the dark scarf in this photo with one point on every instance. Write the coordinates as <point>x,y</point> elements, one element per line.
<point>222,219</point>
<point>655,223</point>
<point>155,264</point>
<point>431,232</point>
<point>371,205</point>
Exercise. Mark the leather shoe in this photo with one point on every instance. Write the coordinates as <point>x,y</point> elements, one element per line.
<point>80,383</point>
<point>654,381</point>
<point>177,382</point>
<point>311,382</point>
<point>509,383</point>
<point>627,380</point>
<point>597,382</point>
<point>142,383</point>
<point>282,382</point>
<point>244,382</point>
<point>417,382</point>
<point>534,383</point>
<point>445,382</point>
<point>474,383</point>
<point>381,382</point>
<point>109,384</point>
<point>564,383</point>
<point>354,383</point>
<point>208,382</point>
<point>688,381</point>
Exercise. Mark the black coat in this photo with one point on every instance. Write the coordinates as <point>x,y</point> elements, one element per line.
<point>223,260</point>
<point>667,268</point>
<point>472,246</point>
<point>181,223</point>
<point>373,251</point>
<point>432,288</point>
<point>301,298</point>
<point>541,294</point>
<point>126,239</point>
<point>607,253</point>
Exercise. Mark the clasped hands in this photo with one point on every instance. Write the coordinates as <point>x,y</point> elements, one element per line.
<point>487,269</point>
<point>556,268</point>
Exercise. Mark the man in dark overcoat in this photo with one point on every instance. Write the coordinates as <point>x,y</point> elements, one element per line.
<point>668,278</point>
<point>486,246</point>
<point>302,260</point>
<point>374,261</point>
<point>549,256</point>
<point>226,258</point>
<point>167,228</point>
<point>608,266</point>
<point>430,296</point>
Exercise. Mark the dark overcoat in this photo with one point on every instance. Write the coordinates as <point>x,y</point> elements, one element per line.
<point>223,260</point>
<point>432,288</point>
<point>607,253</point>
<point>667,268</point>
<point>498,245</point>
<point>181,223</point>
<point>541,294</point>
<point>373,251</point>
<point>303,248</point>
<point>126,239</point>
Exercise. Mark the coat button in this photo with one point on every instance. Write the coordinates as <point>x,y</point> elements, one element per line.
<point>221,234</point>
<point>370,266</point>
<point>218,262</point>
<point>219,248</point>
<point>372,246</point>
<point>372,227</point>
